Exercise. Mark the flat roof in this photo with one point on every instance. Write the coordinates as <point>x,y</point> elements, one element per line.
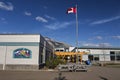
<point>110,48</point>
<point>20,34</point>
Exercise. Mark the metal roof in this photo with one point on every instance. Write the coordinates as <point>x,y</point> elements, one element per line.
<point>105,48</point>
<point>110,48</point>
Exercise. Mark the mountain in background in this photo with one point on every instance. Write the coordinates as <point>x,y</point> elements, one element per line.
<point>57,44</point>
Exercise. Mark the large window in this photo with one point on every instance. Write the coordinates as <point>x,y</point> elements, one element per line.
<point>115,55</point>
<point>96,57</point>
<point>112,55</point>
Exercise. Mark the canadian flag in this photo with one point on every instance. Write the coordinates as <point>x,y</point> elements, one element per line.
<point>71,10</point>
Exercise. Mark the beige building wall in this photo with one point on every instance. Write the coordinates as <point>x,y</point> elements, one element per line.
<point>2,54</point>
<point>10,43</point>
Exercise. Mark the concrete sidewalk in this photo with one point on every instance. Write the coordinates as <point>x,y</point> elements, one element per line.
<point>94,73</point>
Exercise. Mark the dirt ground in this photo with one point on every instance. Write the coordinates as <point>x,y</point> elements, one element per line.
<point>94,73</point>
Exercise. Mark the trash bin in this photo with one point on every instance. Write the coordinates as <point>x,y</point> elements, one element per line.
<point>88,62</point>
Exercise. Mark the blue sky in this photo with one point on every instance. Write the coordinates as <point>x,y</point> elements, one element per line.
<point>99,20</point>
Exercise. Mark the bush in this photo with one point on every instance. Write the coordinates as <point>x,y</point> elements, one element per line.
<point>53,62</point>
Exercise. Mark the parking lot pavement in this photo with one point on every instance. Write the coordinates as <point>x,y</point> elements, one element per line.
<point>94,73</point>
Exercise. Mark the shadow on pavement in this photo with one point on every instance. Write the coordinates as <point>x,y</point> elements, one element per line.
<point>103,78</point>
<point>60,77</point>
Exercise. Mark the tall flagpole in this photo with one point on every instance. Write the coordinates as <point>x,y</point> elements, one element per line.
<point>77,59</point>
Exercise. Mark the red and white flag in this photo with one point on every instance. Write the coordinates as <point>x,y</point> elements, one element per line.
<point>71,10</point>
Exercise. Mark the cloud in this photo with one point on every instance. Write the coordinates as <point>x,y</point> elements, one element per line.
<point>58,25</point>
<point>27,13</point>
<point>105,45</point>
<point>105,20</point>
<point>100,45</point>
<point>116,37</point>
<point>41,19</point>
<point>12,32</point>
<point>90,45</point>
<point>45,7</point>
<point>3,20</point>
<point>49,17</point>
<point>6,6</point>
<point>99,37</point>
<point>96,38</point>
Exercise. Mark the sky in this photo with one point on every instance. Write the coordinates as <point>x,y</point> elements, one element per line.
<point>98,20</point>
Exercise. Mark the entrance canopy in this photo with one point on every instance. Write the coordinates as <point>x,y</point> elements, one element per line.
<point>69,53</point>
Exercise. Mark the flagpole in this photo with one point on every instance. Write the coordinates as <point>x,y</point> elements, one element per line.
<point>77,59</point>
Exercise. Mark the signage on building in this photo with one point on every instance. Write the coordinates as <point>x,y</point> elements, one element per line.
<point>22,53</point>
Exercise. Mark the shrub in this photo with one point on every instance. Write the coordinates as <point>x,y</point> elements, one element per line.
<point>53,62</point>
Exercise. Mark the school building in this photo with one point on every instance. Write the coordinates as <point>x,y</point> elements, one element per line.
<point>23,51</point>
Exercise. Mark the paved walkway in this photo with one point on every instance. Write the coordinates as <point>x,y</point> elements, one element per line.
<point>94,73</point>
